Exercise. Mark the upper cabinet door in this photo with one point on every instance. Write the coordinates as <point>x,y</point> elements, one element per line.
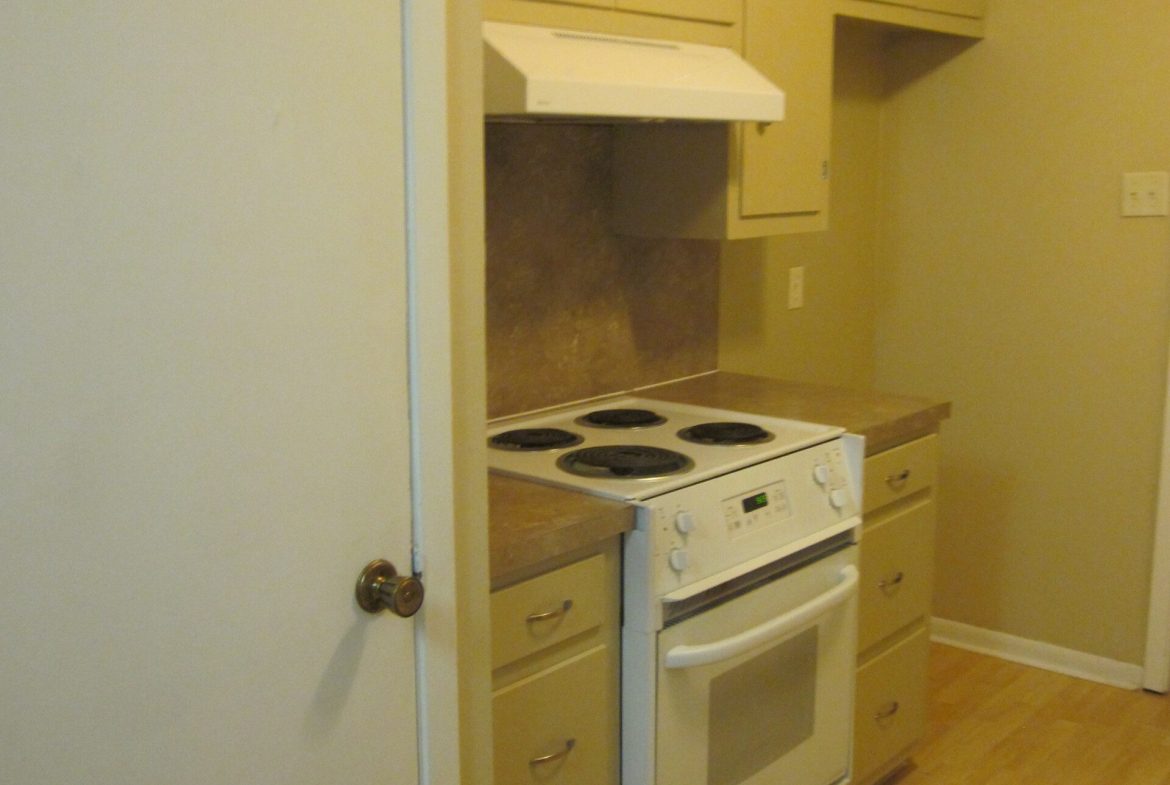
<point>784,166</point>
<point>720,11</point>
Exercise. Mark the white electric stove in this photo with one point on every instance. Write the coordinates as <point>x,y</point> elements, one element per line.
<point>739,581</point>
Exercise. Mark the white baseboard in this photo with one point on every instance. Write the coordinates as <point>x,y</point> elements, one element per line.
<point>1036,654</point>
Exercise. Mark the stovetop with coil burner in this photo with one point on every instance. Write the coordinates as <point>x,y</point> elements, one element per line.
<point>635,449</point>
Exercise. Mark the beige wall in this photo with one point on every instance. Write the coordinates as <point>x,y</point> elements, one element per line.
<point>1009,284</point>
<point>989,266</point>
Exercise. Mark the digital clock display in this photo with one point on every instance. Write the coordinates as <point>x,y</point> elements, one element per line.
<point>753,503</point>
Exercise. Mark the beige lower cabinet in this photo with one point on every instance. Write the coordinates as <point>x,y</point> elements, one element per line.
<point>555,677</point>
<point>897,577</point>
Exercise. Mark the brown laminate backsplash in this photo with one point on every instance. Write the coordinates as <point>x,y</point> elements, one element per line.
<point>574,311</point>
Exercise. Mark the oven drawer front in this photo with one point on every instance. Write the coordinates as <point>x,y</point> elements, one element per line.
<point>559,726</point>
<point>891,704</point>
<point>547,610</point>
<point>897,558</point>
<point>776,712</point>
<point>899,472</point>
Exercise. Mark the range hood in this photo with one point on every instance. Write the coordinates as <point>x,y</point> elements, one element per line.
<point>543,73</point>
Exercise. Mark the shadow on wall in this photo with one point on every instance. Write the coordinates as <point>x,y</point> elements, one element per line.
<point>574,311</point>
<point>959,590</point>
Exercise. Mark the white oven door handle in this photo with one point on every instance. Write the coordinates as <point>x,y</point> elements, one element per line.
<point>773,629</point>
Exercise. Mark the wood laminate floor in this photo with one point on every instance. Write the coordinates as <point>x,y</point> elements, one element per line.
<point>994,722</point>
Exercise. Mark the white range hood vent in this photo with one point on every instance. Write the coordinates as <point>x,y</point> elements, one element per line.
<point>535,73</point>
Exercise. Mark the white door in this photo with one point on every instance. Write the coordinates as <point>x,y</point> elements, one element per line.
<point>203,393</point>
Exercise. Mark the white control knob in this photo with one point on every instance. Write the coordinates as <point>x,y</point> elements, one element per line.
<point>821,474</point>
<point>838,498</point>
<point>679,559</point>
<point>685,522</point>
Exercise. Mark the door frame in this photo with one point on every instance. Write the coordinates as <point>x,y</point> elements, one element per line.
<point>443,710</point>
<point>1156,670</point>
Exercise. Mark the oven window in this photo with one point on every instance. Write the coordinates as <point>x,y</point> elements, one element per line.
<point>762,709</point>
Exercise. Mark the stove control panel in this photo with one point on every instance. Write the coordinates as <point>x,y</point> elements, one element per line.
<point>760,507</point>
<point>712,526</point>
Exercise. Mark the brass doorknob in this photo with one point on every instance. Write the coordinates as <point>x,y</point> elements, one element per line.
<point>380,586</point>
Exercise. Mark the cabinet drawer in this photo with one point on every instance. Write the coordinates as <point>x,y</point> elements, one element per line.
<point>891,706</point>
<point>897,573</point>
<point>547,610</point>
<point>899,472</point>
<point>570,708</point>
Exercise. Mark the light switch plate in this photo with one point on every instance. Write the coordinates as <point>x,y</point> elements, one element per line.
<point>1145,194</point>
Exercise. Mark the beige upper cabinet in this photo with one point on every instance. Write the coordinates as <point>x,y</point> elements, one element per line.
<point>953,17</point>
<point>720,11</point>
<point>590,3</point>
<point>749,179</point>
<point>715,22</point>
<point>972,8</point>
<point>707,10</point>
<point>719,181</point>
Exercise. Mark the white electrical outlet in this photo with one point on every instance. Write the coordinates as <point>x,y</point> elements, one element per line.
<point>795,287</point>
<point>1145,193</point>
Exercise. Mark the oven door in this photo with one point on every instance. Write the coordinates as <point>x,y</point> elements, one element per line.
<point>759,689</point>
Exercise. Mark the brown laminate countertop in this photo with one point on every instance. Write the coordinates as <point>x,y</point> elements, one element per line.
<point>531,524</point>
<point>884,420</point>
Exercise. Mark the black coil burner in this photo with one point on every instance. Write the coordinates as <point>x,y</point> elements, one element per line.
<point>624,461</point>
<point>533,439</point>
<point>622,418</point>
<point>726,433</point>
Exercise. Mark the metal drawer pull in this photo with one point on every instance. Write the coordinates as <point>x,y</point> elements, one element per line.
<point>891,582</point>
<point>569,745</point>
<point>887,711</point>
<point>553,614</point>
<point>896,481</point>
